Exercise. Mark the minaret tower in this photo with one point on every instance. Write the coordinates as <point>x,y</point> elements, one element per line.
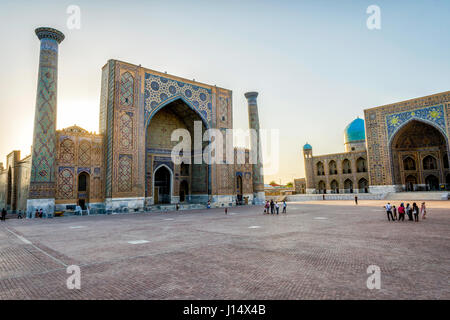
<point>309,168</point>
<point>43,170</point>
<point>255,140</point>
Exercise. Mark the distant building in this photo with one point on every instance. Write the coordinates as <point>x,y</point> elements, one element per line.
<point>402,146</point>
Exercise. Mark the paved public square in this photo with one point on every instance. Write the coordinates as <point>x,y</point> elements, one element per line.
<point>319,250</point>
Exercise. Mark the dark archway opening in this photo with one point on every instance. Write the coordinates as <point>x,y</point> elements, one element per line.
<point>162,185</point>
<point>432,183</point>
<point>239,191</point>
<point>83,189</point>
<point>363,185</point>
<point>418,152</point>
<point>184,191</point>
<point>159,145</point>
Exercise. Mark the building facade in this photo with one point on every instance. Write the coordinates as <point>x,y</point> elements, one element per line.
<point>345,172</point>
<point>408,145</point>
<point>128,166</point>
<point>398,147</point>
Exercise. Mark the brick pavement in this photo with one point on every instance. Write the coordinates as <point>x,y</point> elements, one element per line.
<point>205,254</point>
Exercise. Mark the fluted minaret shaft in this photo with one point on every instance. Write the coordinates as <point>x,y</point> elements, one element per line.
<point>258,176</point>
<point>43,170</point>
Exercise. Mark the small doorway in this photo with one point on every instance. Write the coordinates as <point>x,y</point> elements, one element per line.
<point>184,191</point>
<point>410,182</point>
<point>83,190</point>
<point>162,185</point>
<point>432,183</point>
<point>239,189</point>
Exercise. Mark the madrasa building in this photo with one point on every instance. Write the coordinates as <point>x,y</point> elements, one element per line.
<point>398,147</point>
<point>128,167</point>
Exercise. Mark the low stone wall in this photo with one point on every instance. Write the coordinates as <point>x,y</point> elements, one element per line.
<point>334,196</point>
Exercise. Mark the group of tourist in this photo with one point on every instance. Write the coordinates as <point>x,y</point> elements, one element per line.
<point>272,207</point>
<point>412,212</point>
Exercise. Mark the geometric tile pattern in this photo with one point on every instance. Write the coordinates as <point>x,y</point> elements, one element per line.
<point>125,173</point>
<point>65,183</point>
<point>160,90</point>
<point>433,114</point>
<point>67,151</point>
<point>84,153</point>
<point>126,89</point>
<point>43,163</point>
<point>126,130</point>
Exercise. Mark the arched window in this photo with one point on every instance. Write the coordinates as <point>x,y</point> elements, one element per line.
<point>320,169</point>
<point>83,180</point>
<point>445,160</point>
<point>332,167</point>
<point>429,163</point>
<point>321,187</point>
<point>363,185</point>
<point>334,186</point>
<point>67,150</point>
<point>346,166</point>
<point>348,186</point>
<point>409,164</point>
<point>361,165</point>
<point>126,89</point>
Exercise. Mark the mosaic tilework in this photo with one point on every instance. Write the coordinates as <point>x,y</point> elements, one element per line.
<point>126,130</point>
<point>84,153</point>
<point>124,178</point>
<point>109,127</point>
<point>65,183</point>
<point>126,89</point>
<point>159,90</point>
<point>433,114</point>
<point>67,150</point>
<point>44,145</point>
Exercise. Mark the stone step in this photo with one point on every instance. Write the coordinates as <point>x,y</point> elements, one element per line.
<point>430,195</point>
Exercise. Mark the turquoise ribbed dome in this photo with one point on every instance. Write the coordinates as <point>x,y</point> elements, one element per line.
<point>355,131</point>
<point>307,146</point>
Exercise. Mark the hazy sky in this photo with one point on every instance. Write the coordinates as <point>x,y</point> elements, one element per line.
<point>314,63</point>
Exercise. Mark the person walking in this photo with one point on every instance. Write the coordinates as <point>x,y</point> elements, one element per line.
<point>356,200</point>
<point>415,210</point>
<point>401,212</point>
<point>4,214</point>
<point>388,208</point>
<point>19,214</point>
<point>277,207</point>
<point>284,206</point>
<point>36,214</point>
<point>409,212</point>
<point>423,210</point>
<point>266,207</point>
<point>272,205</point>
<point>394,211</point>
<point>41,213</point>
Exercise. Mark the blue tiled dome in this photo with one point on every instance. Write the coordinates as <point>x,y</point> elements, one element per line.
<point>307,146</point>
<point>355,131</point>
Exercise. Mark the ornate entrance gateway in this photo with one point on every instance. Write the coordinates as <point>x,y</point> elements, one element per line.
<point>419,156</point>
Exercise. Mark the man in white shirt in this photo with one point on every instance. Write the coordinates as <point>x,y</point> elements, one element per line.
<point>388,208</point>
